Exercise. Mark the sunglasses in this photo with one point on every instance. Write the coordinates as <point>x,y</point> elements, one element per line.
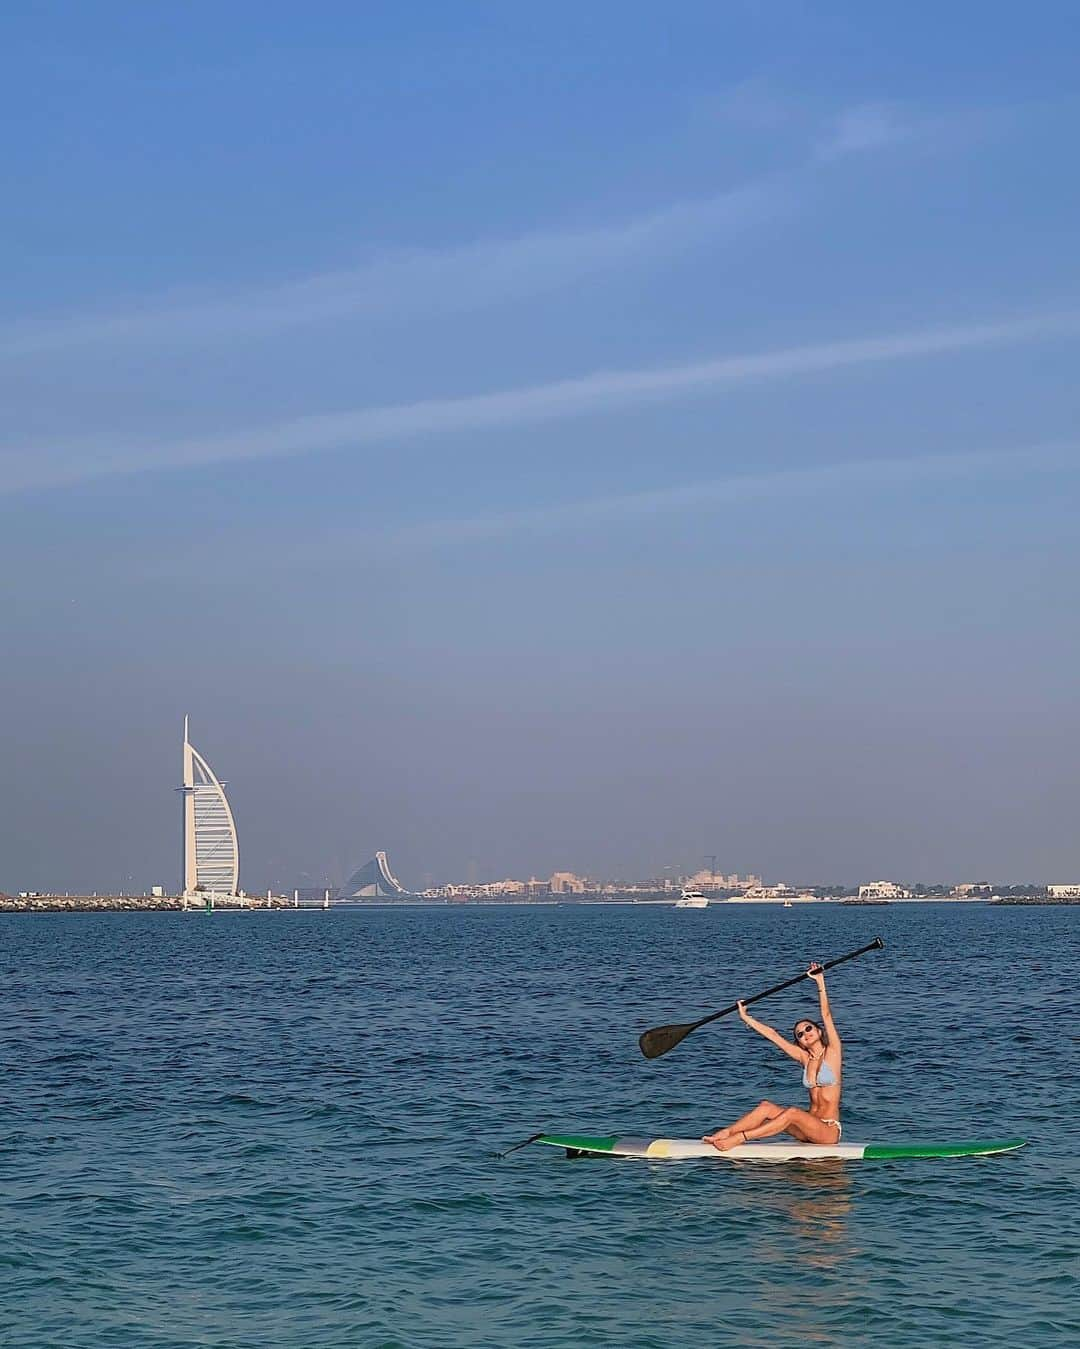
<point>801,1034</point>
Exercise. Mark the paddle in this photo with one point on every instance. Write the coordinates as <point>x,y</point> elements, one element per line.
<point>523,1144</point>
<point>662,1038</point>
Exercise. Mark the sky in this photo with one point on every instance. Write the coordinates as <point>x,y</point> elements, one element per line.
<point>541,437</point>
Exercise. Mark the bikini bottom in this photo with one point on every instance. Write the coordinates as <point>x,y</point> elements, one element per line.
<point>839,1128</point>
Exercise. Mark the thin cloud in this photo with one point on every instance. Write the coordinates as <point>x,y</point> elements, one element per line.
<point>739,489</point>
<point>399,285</point>
<point>869,126</point>
<point>872,128</point>
<point>587,515</point>
<point>598,393</point>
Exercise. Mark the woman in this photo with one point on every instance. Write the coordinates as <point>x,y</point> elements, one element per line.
<point>818,1049</point>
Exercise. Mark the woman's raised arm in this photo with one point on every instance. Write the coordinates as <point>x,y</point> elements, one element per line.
<point>773,1036</point>
<point>816,973</point>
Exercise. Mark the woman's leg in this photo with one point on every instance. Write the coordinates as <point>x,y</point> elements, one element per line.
<point>798,1123</point>
<point>761,1112</point>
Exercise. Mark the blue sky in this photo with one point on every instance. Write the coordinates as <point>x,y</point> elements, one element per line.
<point>588,437</point>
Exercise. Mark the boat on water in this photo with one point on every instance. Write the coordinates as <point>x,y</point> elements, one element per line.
<point>692,899</point>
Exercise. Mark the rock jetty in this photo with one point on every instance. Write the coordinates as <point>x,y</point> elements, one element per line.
<point>36,903</point>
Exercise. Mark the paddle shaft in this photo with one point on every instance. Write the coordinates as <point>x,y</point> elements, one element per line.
<point>523,1144</point>
<point>875,945</point>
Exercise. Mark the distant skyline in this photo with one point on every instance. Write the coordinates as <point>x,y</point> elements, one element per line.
<point>529,440</point>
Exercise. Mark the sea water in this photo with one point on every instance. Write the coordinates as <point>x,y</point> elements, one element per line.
<point>271,1129</point>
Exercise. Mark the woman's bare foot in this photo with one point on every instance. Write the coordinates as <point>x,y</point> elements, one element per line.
<point>731,1140</point>
<point>717,1137</point>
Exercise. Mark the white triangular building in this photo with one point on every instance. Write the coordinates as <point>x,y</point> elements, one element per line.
<point>374,880</point>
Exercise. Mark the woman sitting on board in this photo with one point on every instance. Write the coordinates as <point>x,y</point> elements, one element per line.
<point>818,1049</point>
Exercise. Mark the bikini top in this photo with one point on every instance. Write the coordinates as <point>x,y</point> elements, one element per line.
<point>825,1078</point>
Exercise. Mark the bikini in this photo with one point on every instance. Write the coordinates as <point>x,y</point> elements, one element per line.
<point>825,1078</point>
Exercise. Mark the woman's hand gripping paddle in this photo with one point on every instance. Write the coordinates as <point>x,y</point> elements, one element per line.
<point>662,1038</point>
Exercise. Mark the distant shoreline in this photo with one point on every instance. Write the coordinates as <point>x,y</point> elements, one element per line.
<point>175,903</point>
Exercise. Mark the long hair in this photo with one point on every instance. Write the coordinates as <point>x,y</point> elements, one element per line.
<point>821,1030</point>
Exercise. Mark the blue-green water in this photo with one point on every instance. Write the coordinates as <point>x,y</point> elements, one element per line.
<point>277,1129</point>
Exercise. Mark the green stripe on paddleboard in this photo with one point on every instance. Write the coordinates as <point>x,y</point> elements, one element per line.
<point>579,1142</point>
<point>884,1152</point>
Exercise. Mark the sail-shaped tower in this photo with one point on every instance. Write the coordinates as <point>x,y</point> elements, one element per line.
<point>211,853</point>
<point>374,881</point>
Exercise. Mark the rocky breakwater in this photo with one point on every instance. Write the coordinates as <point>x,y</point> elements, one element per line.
<point>37,903</point>
<point>1037,899</point>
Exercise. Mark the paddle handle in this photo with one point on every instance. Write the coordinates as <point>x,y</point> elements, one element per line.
<point>875,945</point>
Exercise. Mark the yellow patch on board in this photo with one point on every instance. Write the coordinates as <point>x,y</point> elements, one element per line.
<point>659,1147</point>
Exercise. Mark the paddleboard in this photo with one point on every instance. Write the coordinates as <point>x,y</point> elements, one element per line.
<point>684,1149</point>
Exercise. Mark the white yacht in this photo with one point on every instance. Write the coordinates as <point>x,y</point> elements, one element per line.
<point>692,899</point>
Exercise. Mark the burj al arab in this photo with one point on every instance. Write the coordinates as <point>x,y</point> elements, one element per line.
<point>211,853</point>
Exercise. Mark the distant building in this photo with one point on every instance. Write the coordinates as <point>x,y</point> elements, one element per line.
<point>780,891</point>
<point>507,887</point>
<point>712,881</point>
<point>883,890</point>
<point>708,882</point>
<point>972,889</point>
<point>211,854</point>
<point>566,883</point>
<point>1063,891</point>
<point>374,880</point>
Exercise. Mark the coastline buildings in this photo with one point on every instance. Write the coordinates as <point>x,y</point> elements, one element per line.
<point>711,882</point>
<point>883,890</point>
<point>566,884</point>
<point>211,854</point>
<point>766,894</point>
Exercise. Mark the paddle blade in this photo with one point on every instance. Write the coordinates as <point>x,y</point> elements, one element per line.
<point>660,1039</point>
